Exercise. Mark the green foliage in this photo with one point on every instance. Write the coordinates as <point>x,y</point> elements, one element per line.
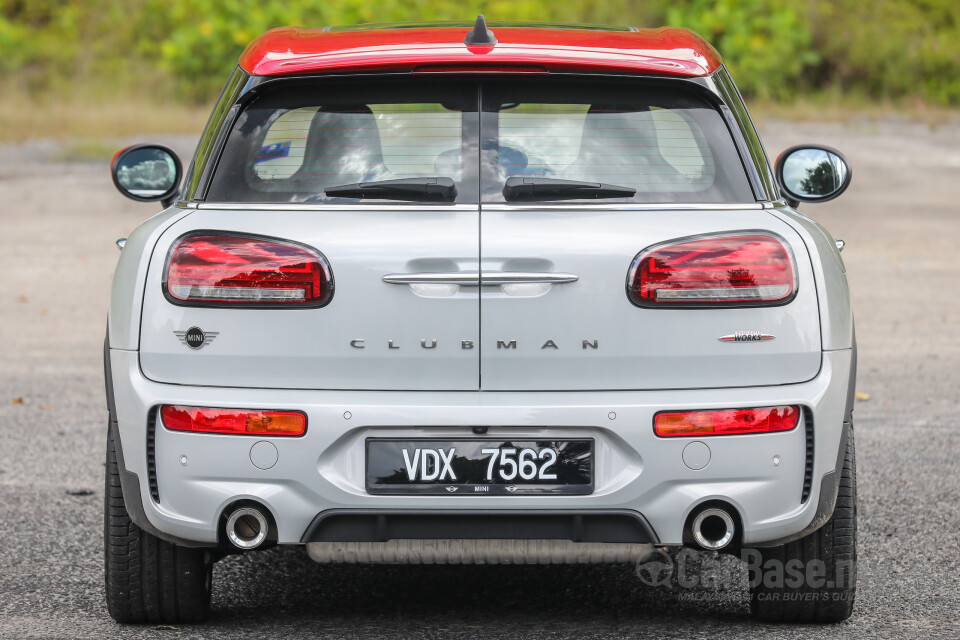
<point>891,48</point>
<point>38,35</point>
<point>199,41</point>
<point>776,49</point>
<point>765,43</point>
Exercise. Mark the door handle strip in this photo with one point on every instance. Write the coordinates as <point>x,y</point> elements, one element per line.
<point>478,279</point>
<point>495,278</point>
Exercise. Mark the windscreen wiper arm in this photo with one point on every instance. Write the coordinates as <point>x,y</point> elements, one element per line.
<point>417,189</point>
<point>520,188</point>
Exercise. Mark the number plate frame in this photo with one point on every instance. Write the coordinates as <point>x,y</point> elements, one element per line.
<point>386,468</point>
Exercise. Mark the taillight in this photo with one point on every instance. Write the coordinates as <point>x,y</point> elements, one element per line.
<point>726,421</point>
<point>230,270</point>
<point>234,421</point>
<point>739,270</point>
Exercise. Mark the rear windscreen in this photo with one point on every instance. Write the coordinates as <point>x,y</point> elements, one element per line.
<point>291,145</point>
<point>667,144</point>
<point>660,141</point>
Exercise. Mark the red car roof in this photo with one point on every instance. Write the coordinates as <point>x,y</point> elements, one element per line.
<point>667,51</point>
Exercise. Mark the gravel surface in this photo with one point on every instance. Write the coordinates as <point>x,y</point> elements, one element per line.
<point>902,228</point>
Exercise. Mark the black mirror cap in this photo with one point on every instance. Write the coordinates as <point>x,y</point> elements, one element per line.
<point>166,198</point>
<point>794,199</point>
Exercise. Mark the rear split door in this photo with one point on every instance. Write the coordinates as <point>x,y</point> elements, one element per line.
<point>416,289</point>
<point>234,312</point>
<point>561,235</point>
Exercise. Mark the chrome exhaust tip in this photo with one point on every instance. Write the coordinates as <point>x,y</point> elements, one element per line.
<point>713,529</point>
<point>247,528</point>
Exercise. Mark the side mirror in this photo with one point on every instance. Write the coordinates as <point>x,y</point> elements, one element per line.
<point>147,173</point>
<point>812,173</point>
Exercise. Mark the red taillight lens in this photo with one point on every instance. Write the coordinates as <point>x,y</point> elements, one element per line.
<point>239,270</point>
<point>727,270</point>
<point>234,421</point>
<point>726,422</point>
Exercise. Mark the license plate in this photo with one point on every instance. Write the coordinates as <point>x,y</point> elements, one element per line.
<point>479,467</point>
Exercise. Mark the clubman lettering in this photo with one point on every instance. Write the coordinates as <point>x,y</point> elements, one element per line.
<point>433,343</point>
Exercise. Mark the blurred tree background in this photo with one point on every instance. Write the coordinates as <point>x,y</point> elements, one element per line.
<point>180,51</point>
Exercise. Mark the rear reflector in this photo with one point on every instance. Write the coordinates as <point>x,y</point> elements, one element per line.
<point>234,421</point>
<point>218,270</point>
<point>725,270</point>
<point>726,422</point>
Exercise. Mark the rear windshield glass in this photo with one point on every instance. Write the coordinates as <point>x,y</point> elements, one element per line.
<point>610,141</point>
<point>667,144</point>
<point>292,145</point>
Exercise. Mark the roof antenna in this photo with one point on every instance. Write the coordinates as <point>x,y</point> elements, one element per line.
<point>480,35</point>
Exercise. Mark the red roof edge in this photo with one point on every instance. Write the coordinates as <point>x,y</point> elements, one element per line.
<point>665,51</point>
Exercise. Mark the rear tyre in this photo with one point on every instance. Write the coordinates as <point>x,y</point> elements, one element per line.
<point>149,579</point>
<point>830,552</point>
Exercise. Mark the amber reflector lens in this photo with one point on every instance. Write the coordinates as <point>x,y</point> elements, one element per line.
<point>234,421</point>
<point>726,422</point>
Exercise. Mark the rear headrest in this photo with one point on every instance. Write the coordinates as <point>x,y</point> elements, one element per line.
<point>344,145</point>
<point>630,136</point>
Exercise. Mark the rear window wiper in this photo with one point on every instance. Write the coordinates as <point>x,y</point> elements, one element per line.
<point>520,188</point>
<point>417,189</point>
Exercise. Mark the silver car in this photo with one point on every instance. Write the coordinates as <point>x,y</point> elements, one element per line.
<point>505,294</point>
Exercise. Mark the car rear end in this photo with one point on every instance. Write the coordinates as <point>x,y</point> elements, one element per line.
<point>484,314</point>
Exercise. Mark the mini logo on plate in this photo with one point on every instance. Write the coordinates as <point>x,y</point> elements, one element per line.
<point>746,336</point>
<point>511,488</point>
<point>195,337</point>
<point>451,489</point>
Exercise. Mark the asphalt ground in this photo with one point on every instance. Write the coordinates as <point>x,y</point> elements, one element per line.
<point>901,221</point>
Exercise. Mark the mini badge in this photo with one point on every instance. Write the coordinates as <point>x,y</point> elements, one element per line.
<point>196,338</point>
<point>746,336</point>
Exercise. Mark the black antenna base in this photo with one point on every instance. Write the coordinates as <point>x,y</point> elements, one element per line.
<point>480,35</point>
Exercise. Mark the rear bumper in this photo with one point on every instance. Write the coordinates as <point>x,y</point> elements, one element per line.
<point>381,525</point>
<point>197,476</point>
